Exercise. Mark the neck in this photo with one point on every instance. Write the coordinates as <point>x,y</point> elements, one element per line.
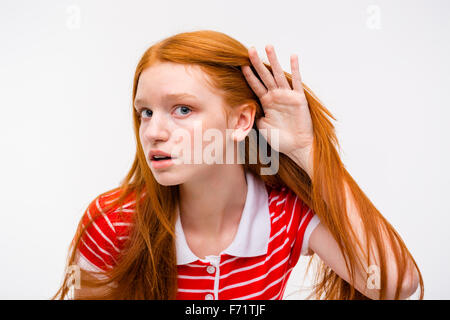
<point>214,201</point>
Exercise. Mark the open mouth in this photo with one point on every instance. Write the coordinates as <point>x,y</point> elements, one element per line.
<point>160,158</point>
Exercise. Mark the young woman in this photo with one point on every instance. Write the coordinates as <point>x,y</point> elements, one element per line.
<point>180,228</point>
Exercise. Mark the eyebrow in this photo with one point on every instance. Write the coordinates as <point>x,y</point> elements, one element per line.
<point>169,96</point>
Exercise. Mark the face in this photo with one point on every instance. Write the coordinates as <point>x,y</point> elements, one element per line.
<point>177,108</point>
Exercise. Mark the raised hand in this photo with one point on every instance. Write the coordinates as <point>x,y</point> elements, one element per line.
<point>285,108</point>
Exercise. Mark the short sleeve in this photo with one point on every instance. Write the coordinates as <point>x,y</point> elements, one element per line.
<point>301,223</point>
<point>98,248</point>
<point>313,223</point>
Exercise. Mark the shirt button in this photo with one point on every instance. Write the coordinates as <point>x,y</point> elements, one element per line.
<point>209,296</point>
<point>211,269</point>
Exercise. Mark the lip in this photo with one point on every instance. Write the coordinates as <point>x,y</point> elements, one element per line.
<point>160,164</point>
<point>158,153</point>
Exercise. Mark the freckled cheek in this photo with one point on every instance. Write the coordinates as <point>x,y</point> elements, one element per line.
<point>142,134</point>
<point>194,136</point>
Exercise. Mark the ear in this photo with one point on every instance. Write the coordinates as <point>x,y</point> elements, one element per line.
<point>243,117</point>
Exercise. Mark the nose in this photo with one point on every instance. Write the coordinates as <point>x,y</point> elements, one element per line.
<point>156,129</point>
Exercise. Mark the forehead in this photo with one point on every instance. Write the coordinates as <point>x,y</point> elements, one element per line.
<point>165,78</point>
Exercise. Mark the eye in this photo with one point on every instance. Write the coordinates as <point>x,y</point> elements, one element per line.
<point>146,113</point>
<point>143,114</point>
<point>185,110</point>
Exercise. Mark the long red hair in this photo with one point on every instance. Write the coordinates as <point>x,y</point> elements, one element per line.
<point>147,265</point>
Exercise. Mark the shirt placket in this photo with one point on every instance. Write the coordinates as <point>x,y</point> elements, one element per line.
<point>214,269</point>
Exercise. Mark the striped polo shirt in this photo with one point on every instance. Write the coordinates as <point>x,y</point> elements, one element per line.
<point>273,232</point>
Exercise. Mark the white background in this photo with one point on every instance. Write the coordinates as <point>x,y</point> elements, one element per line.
<point>66,72</point>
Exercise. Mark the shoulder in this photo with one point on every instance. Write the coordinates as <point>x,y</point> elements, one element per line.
<point>106,224</point>
<point>283,205</point>
<point>110,219</point>
<point>295,215</point>
<point>282,198</point>
<point>106,205</point>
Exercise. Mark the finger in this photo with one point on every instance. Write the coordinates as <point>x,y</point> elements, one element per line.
<point>263,72</point>
<point>296,77</point>
<point>253,81</point>
<point>277,70</point>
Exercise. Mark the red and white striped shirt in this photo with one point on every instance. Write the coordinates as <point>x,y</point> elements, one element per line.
<point>273,232</point>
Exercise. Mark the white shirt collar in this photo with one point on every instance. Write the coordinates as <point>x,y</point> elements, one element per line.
<point>252,236</point>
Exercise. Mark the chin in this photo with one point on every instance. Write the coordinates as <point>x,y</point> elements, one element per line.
<point>178,174</point>
<point>171,176</point>
<point>166,182</point>
<point>166,178</point>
